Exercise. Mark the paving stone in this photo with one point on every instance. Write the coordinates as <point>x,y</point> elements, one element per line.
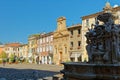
<point>28,72</point>
<point>2,78</point>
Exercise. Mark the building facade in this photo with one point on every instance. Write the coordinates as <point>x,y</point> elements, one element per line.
<point>75,43</point>
<point>89,20</point>
<point>61,42</point>
<point>23,51</point>
<point>12,48</point>
<point>32,48</point>
<point>67,42</point>
<point>45,48</point>
<point>1,48</point>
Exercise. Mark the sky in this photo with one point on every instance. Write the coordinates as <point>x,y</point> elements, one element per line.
<point>21,18</point>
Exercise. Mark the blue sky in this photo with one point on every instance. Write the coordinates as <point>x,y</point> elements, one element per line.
<point>21,18</point>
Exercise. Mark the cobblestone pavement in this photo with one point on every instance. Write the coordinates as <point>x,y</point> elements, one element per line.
<point>28,71</point>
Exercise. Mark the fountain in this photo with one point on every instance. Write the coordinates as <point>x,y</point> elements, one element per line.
<point>103,47</point>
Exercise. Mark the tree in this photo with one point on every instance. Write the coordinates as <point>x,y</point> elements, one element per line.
<point>12,58</point>
<point>3,55</point>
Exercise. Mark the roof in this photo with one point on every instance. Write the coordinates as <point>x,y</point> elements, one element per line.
<point>1,45</point>
<point>34,35</point>
<point>12,45</point>
<point>47,34</point>
<point>96,14</point>
<point>75,26</point>
<point>92,15</point>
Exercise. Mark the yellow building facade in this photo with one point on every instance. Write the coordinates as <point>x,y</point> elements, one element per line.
<point>25,51</point>
<point>67,42</point>
<point>32,47</point>
<point>60,42</point>
<point>75,49</point>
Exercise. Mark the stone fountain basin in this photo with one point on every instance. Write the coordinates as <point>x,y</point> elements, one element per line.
<point>87,71</point>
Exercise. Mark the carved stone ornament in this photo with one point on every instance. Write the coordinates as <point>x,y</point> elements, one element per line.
<point>104,41</point>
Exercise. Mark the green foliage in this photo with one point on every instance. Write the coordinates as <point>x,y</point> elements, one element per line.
<point>12,58</point>
<point>0,61</point>
<point>3,55</point>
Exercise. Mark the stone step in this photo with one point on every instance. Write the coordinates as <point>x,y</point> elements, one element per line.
<point>48,78</point>
<point>39,79</point>
<point>58,77</point>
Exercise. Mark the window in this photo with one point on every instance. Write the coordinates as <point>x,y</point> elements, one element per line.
<point>43,48</point>
<point>51,38</point>
<point>79,31</point>
<point>56,50</point>
<point>19,49</point>
<point>43,40</point>
<point>32,43</point>
<point>47,48</point>
<point>71,44</point>
<point>79,43</point>
<point>40,41</point>
<point>40,49</point>
<point>71,32</point>
<point>50,47</point>
<point>47,39</point>
<point>65,49</point>
<point>87,22</point>
<point>14,49</point>
<point>95,19</point>
<point>30,50</point>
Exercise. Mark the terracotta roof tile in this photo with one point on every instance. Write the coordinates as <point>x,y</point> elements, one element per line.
<point>13,45</point>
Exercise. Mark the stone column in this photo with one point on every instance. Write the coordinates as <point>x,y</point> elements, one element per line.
<point>45,59</point>
<point>76,58</point>
<point>42,59</point>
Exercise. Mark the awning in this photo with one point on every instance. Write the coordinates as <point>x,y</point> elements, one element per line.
<point>75,54</point>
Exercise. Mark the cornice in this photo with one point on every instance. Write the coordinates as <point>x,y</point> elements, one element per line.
<point>91,15</point>
<point>96,14</point>
<point>56,37</point>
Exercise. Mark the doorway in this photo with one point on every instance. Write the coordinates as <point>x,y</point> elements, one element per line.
<point>60,61</point>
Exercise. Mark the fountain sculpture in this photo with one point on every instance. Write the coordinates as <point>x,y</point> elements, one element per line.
<point>104,41</point>
<point>103,47</point>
